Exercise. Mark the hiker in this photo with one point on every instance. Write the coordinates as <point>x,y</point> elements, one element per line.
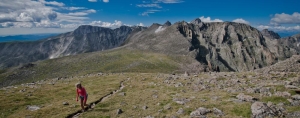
<point>82,94</point>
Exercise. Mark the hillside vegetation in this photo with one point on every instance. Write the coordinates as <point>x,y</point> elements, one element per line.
<point>119,60</point>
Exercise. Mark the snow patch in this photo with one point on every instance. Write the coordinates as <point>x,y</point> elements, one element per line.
<point>298,44</point>
<point>159,29</point>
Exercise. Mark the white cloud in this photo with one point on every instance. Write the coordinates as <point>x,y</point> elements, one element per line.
<point>279,28</point>
<point>106,1</point>
<point>52,3</point>
<point>203,19</point>
<point>146,13</point>
<point>140,24</point>
<point>92,0</point>
<point>74,8</point>
<point>149,5</point>
<point>82,13</point>
<point>240,20</point>
<point>286,18</point>
<point>25,11</point>
<point>30,14</point>
<point>116,24</point>
<point>169,1</point>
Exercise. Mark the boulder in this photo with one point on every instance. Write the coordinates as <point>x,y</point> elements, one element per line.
<point>181,100</point>
<point>119,111</point>
<point>33,108</point>
<point>200,112</point>
<point>65,103</point>
<point>296,97</point>
<point>246,98</point>
<point>180,111</point>
<point>262,110</point>
<point>145,107</point>
<point>217,112</point>
<point>282,94</point>
<point>291,87</point>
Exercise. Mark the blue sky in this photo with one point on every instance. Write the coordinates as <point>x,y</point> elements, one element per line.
<point>49,16</point>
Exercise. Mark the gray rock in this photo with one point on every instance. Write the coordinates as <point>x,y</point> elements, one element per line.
<point>200,112</point>
<point>296,97</point>
<point>186,74</point>
<point>181,100</point>
<point>262,110</point>
<point>282,94</point>
<point>149,116</point>
<point>291,87</point>
<point>119,111</point>
<point>180,111</point>
<point>214,98</point>
<point>217,112</point>
<point>145,107</point>
<point>178,84</point>
<point>167,107</point>
<point>294,115</point>
<point>122,94</point>
<point>154,96</point>
<point>33,108</point>
<point>246,98</point>
<point>65,103</point>
<point>23,90</point>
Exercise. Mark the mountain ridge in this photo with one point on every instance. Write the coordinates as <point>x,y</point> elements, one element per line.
<point>83,39</point>
<point>246,47</point>
<point>207,42</point>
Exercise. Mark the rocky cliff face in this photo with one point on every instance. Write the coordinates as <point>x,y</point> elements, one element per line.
<point>227,46</point>
<point>83,39</point>
<point>282,48</point>
<point>223,46</point>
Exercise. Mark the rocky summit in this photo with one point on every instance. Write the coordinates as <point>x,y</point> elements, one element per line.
<point>270,34</point>
<point>220,46</point>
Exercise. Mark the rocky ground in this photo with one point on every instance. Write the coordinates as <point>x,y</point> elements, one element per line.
<point>249,94</point>
<point>268,92</point>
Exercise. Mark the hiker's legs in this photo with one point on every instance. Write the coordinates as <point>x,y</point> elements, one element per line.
<point>85,99</point>
<point>81,104</point>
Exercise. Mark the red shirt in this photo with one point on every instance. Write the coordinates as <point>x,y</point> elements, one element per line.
<point>81,91</point>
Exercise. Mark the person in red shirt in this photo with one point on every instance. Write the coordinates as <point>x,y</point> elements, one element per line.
<point>82,94</point>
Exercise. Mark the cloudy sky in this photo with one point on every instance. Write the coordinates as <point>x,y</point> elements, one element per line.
<point>57,16</point>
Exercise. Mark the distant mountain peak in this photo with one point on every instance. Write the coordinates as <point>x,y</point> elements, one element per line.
<point>85,29</point>
<point>196,21</point>
<point>270,34</point>
<point>168,23</point>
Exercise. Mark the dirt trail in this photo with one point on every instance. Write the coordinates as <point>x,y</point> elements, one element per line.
<point>92,104</point>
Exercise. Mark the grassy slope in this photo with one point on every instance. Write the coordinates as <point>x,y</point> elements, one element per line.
<point>119,60</point>
<point>50,97</point>
<point>140,91</point>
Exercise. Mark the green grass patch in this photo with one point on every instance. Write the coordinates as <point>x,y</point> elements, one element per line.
<point>292,92</point>
<point>275,99</point>
<point>280,88</point>
<point>291,75</point>
<point>293,108</point>
<point>115,61</point>
<point>221,78</point>
<point>243,110</point>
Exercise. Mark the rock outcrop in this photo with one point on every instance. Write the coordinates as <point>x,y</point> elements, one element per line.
<point>270,34</point>
<point>221,46</point>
